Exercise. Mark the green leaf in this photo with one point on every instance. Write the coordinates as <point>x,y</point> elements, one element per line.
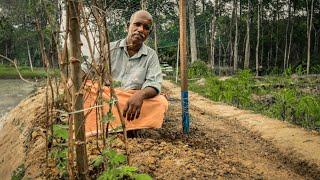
<point>142,177</point>
<point>60,131</point>
<point>98,161</point>
<point>128,169</point>
<point>115,159</point>
<point>108,175</point>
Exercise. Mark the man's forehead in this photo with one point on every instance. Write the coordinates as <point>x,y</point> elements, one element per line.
<point>141,16</point>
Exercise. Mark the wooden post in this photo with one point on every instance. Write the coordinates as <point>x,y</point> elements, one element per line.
<point>77,96</point>
<point>183,66</point>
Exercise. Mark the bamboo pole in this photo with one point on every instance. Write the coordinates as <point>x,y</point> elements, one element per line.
<point>183,66</point>
<point>77,96</point>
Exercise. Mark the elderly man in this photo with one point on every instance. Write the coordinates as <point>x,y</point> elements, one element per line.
<point>136,67</point>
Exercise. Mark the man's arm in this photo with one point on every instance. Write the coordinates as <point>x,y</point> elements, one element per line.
<point>150,88</point>
<point>133,106</point>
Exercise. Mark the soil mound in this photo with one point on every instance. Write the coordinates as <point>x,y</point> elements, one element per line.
<point>22,139</point>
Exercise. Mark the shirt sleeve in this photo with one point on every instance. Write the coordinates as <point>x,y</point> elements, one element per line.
<point>153,74</point>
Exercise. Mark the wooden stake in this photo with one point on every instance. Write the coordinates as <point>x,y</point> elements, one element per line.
<point>183,66</point>
<point>77,96</point>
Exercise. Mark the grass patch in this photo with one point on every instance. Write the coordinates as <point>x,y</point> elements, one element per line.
<point>9,72</point>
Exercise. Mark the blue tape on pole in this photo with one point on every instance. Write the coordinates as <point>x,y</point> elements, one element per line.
<point>185,111</point>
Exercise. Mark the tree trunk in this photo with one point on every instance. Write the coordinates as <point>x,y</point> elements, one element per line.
<point>207,43</point>
<point>261,37</point>
<point>213,31</point>
<point>258,40</point>
<point>219,59</point>
<point>193,42</point>
<point>309,14</point>
<point>286,48</point>
<point>77,96</point>
<point>235,48</point>
<point>29,56</point>
<point>277,38</point>
<point>155,27</point>
<point>290,38</point>
<point>247,51</point>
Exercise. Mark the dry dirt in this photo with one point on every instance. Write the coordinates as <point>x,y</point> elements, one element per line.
<point>224,143</point>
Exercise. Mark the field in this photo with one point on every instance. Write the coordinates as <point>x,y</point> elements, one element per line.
<point>224,142</point>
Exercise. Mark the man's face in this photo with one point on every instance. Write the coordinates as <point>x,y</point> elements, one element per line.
<point>139,28</point>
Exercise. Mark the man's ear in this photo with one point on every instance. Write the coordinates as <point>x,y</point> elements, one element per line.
<point>128,24</point>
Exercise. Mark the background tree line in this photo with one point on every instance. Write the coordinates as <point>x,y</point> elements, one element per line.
<point>268,36</point>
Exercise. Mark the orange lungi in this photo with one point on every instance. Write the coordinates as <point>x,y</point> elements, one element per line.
<point>151,115</point>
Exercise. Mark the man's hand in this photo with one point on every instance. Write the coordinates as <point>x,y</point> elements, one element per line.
<point>133,106</point>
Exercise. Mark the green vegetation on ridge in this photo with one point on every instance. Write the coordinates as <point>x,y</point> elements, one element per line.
<point>287,98</point>
<point>10,72</point>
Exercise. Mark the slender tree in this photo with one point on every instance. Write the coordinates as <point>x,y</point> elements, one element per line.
<point>193,41</point>
<point>155,27</point>
<point>309,26</point>
<point>286,48</point>
<point>235,48</point>
<point>247,50</point>
<point>29,56</point>
<point>258,39</point>
<point>213,31</point>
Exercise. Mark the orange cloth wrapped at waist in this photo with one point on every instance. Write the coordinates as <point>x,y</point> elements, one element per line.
<point>151,115</point>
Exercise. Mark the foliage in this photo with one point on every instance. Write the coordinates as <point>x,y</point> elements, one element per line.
<point>300,70</point>
<point>285,101</point>
<point>315,69</point>
<point>284,105</point>
<point>60,131</point>
<point>11,72</point>
<point>234,91</point>
<point>116,166</point>
<point>308,109</point>
<point>198,69</point>
<point>288,71</point>
<point>58,152</point>
<point>18,174</point>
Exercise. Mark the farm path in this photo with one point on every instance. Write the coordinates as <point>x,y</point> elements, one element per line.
<point>225,142</point>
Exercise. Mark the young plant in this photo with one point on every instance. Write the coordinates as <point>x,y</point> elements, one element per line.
<point>59,150</point>
<point>284,103</point>
<point>116,167</point>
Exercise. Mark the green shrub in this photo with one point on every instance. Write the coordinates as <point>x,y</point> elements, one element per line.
<point>288,71</point>
<point>300,70</point>
<point>198,69</point>
<point>284,104</point>
<point>307,112</point>
<point>315,69</point>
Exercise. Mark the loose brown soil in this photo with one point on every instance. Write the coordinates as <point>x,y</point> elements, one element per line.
<point>224,143</point>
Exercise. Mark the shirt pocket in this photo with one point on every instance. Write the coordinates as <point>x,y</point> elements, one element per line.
<point>138,76</point>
